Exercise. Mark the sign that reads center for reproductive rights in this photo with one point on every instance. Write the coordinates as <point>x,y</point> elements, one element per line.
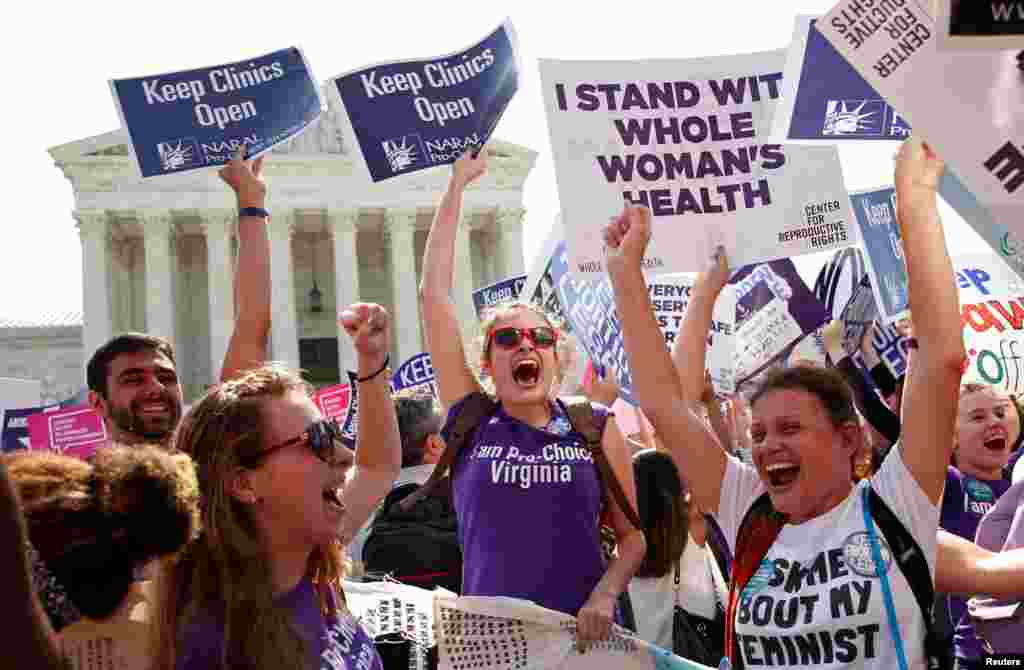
<point>186,120</point>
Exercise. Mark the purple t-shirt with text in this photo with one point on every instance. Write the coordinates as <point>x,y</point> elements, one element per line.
<point>964,502</point>
<point>336,642</point>
<point>528,503</point>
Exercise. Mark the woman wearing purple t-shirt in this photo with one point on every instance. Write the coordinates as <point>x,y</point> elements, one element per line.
<point>982,446</point>
<point>527,492</point>
<point>259,588</point>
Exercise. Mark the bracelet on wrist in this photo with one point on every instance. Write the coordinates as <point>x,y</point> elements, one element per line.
<point>387,362</point>
<point>258,212</point>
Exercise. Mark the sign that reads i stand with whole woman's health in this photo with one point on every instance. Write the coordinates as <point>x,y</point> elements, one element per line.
<point>688,140</point>
<point>180,121</point>
<point>415,114</point>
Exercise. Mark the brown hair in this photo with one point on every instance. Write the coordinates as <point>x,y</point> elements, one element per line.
<point>226,572</point>
<point>664,509</point>
<point>93,523</point>
<point>98,369</point>
<point>825,384</point>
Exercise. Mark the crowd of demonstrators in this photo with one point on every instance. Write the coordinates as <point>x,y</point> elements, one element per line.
<point>260,586</point>
<point>805,433</point>
<point>525,458</point>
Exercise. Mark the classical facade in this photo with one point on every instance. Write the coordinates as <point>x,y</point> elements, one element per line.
<point>157,255</point>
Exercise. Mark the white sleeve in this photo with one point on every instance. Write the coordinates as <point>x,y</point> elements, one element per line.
<point>1018,471</point>
<point>895,484</point>
<point>740,488</point>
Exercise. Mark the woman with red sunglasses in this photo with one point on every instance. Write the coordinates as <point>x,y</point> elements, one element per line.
<point>281,495</point>
<point>527,492</point>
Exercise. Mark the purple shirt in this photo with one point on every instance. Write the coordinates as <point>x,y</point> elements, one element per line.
<point>965,501</point>
<point>336,642</point>
<point>528,503</point>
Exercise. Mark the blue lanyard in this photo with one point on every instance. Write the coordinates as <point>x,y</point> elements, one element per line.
<point>876,554</point>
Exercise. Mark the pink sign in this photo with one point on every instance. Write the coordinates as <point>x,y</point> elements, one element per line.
<point>333,401</point>
<point>75,431</point>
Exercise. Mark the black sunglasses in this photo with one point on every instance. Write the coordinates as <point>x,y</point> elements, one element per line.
<point>323,437</point>
<point>509,337</point>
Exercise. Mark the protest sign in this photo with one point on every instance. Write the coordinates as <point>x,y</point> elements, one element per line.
<point>966,104</point>
<point>861,314</point>
<point>774,310</point>
<point>992,317</point>
<point>418,373</point>
<point>686,138</point>
<point>75,431</point>
<point>341,403</point>
<point>825,99</point>
<point>589,307</point>
<point>388,608</point>
<point>15,427</point>
<point>489,632</point>
<point>179,121</point>
<point>489,296</point>
<point>839,278</point>
<point>875,212</point>
<point>980,24</point>
<point>414,114</point>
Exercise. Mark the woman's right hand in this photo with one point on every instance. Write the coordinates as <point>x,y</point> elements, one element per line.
<point>717,275</point>
<point>468,168</point>
<point>626,237</point>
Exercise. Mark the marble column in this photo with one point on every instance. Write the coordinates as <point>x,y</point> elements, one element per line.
<point>342,226</point>
<point>96,324</point>
<point>463,283</point>
<point>406,310</point>
<point>284,329</point>
<point>510,237</point>
<point>157,229</point>
<point>218,226</point>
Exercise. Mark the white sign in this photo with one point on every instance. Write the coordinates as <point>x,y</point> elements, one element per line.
<point>965,104</point>
<point>686,138</point>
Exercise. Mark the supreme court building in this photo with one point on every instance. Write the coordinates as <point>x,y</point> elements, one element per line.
<point>158,254</point>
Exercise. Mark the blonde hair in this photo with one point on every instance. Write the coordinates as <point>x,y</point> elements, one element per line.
<point>226,571</point>
<point>505,309</point>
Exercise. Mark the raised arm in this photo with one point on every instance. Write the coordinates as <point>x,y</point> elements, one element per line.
<point>30,636</point>
<point>379,452</point>
<point>444,342</point>
<point>932,387</point>
<point>656,386</point>
<point>248,345</point>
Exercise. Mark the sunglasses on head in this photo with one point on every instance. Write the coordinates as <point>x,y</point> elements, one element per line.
<point>323,438</point>
<point>508,337</point>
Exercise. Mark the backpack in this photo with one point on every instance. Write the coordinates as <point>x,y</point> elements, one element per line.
<point>419,546</point>
<point>477,409</point>
<point>762,525</point>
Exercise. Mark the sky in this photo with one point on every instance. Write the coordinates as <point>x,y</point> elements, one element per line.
<point>60,56</point>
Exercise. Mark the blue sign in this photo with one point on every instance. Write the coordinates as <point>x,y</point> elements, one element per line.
<point>417,372</point>
<point>876,216</point>
<point>412,115</point>
<point>15,427</point>
<point>505,290</point>
<point>832,101</point>
<point>193,119</point>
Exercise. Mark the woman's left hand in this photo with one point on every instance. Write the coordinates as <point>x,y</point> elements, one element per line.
<point>594,621</point>
<point>368,324</point>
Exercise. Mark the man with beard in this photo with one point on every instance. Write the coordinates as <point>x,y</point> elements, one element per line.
<point>133,382</point>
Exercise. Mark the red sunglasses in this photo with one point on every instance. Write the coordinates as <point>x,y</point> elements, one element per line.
<point>508,337</point>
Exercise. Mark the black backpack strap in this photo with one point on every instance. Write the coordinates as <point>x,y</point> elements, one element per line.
<point>581,415</point>
<point>476,408</point>
<point>905,552</point>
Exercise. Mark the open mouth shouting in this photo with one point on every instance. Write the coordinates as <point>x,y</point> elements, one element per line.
<point>332,499</point>
<point>996,442</point>
<point>781,475</point>
<point>526,373</point>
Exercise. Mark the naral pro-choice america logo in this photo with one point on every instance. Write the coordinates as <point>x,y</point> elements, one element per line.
<point>179,154</point>
<point>404,152</point>
<point>854,118</point>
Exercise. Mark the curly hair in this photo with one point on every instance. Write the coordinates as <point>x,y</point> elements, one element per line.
<point>93,524</point>
<point>225,572</point>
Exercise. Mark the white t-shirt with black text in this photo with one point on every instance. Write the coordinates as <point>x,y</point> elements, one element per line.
<point>815,601</point>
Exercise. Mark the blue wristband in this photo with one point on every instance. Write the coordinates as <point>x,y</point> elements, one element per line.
<point>253,211</point>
